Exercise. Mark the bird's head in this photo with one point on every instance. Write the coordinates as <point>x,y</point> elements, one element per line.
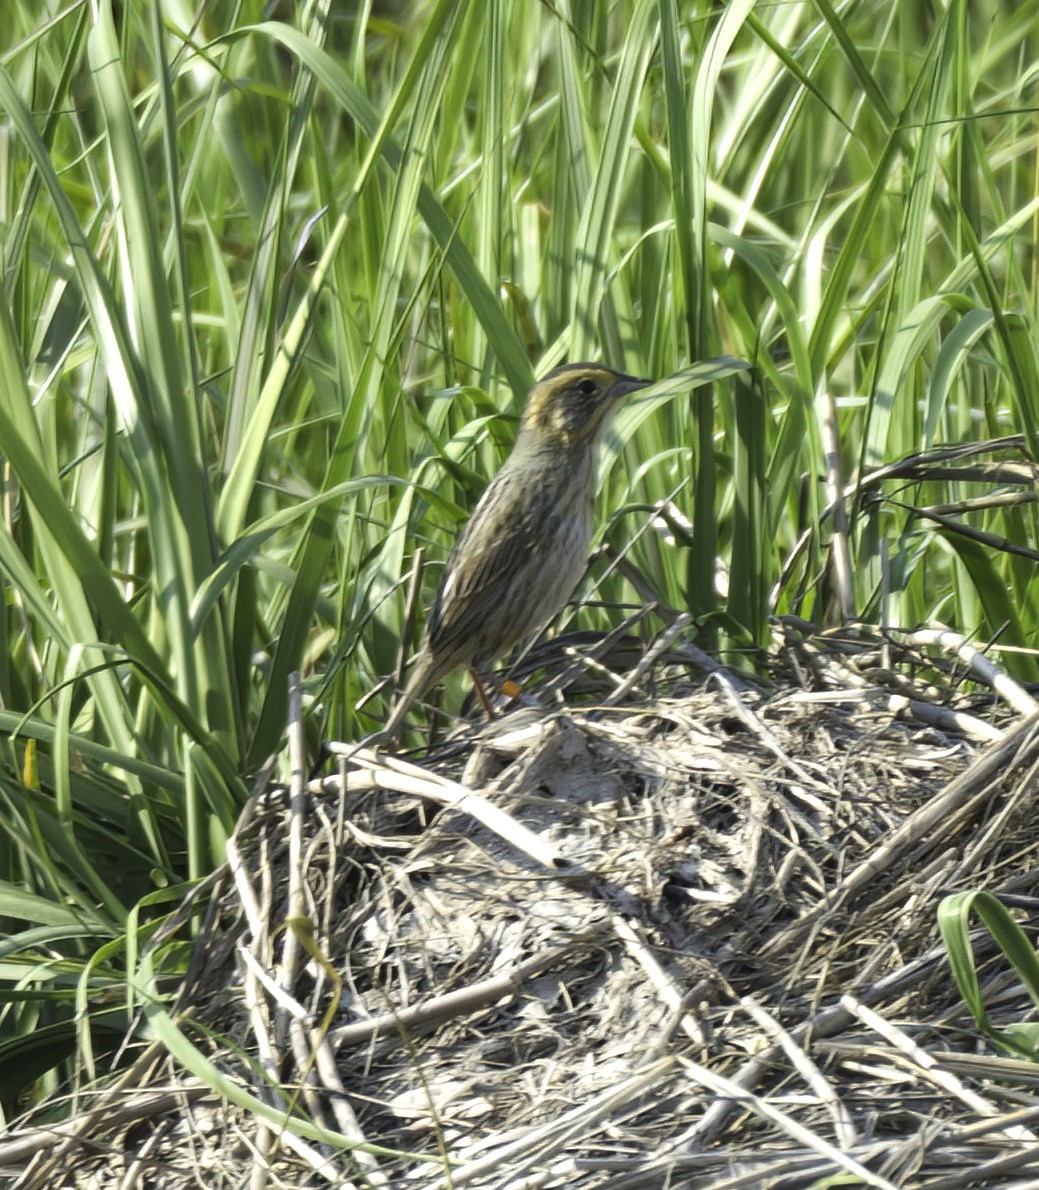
<point>574,402</point>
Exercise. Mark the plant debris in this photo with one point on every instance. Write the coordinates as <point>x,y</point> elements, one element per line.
<point>683,937</point>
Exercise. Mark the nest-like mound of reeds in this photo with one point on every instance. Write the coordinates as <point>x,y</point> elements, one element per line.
<point>683,937</point>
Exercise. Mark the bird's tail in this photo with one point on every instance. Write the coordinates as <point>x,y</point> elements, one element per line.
<point>424,673</point>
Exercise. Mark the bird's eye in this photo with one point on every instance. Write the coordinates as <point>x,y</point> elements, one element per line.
<point>587,388</point>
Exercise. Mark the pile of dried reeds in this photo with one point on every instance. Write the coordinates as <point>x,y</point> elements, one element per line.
<point>685,938</point>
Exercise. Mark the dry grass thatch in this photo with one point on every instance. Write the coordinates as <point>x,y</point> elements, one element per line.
<point>686,938</point>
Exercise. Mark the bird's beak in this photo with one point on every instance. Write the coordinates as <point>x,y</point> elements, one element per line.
<point>628,384</point>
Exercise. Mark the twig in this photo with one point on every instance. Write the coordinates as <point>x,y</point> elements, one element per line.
<point>448,1006</point>
<point>297,809</point>
<point>1004,685</point>
<point>929,1066</point>
<point>933,820</point>
<point>390,772</point>
<point>844,1125</point>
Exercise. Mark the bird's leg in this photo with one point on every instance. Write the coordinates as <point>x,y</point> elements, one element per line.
<point>488,710</point>
<point>508,688</point>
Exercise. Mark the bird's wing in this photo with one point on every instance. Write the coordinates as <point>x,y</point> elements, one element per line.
<point>499,541</point>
